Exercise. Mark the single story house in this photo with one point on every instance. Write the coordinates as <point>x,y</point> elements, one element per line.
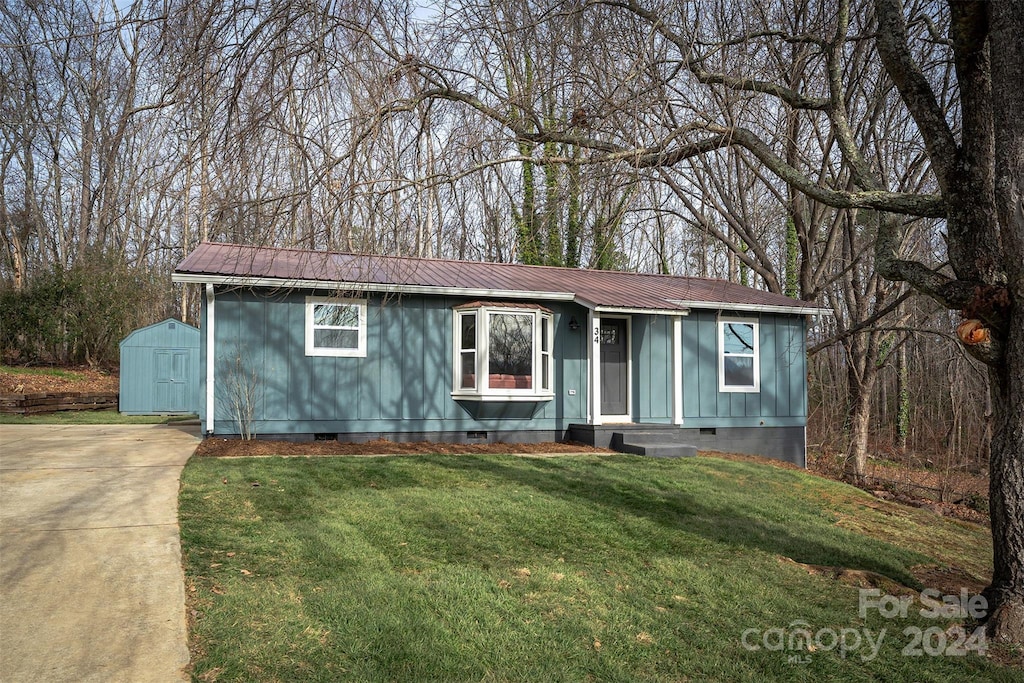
<point>303,344</point>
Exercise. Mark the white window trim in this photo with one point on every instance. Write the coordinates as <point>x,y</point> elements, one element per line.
<point>457,387</point>
<point>741,389</point>
<point>311,350</point>
<point>483,321</point>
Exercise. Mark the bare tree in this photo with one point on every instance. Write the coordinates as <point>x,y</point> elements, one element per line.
<point>826,151</point>
<point>971,143</point>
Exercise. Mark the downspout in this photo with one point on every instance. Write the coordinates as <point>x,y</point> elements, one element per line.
<point>210,355</point>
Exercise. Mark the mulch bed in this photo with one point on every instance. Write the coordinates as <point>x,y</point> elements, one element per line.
<point>89,381</point>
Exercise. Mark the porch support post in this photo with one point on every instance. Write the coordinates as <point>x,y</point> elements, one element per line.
<point>594,360</point>
<point>210,356</point>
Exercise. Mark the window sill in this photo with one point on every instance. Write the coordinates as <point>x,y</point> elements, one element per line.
<point>740,390</point>
<point>504,397</point>
<point>336,353</point>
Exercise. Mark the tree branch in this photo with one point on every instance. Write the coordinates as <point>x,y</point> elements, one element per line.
<point>862,325</point>
<point>788,95</point>
<point>928,206</point>
<point>893,48</point>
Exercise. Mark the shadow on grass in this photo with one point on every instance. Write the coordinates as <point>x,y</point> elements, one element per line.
<point>724,516</point>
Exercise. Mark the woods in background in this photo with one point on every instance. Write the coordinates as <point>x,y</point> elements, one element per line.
<point>570,134</point>
<point>478,131</point>
<point>863,155</point>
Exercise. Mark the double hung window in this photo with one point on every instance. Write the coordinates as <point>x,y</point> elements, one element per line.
<point>738,355</point>
<point>335,327</point>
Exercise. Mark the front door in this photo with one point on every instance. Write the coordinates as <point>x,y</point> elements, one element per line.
<point>614,367</point>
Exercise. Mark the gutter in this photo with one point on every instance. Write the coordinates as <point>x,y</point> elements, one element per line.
<point>755,308</point>
<point>641,311</point>
<point>283,283</point>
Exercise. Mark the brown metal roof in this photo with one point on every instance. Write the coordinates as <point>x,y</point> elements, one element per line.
<point>594,288</point>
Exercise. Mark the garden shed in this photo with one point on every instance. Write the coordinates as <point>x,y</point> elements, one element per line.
<point>160,369</point>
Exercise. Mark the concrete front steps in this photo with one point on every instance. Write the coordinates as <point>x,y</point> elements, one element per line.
<point>658,450</point>
<point>657,443</point>
<point>651,440</point>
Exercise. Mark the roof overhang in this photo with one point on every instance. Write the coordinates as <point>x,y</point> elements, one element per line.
<point>624,310</point>
<point>286,283</point>
<point>295,283</point>
<point>755,308</point>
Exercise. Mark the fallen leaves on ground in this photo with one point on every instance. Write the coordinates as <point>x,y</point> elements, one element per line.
<point>82,379</point>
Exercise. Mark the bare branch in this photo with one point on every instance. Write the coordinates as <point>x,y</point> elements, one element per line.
<point>892,43</point>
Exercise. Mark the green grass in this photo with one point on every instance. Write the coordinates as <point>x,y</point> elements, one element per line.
<point>495,568</point>
<point>90,417</point>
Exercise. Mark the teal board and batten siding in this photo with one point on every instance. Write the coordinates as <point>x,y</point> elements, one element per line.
<point>781,401</point>
<point>651,356</point>
<point>403,385</point>
<point>159,372</point>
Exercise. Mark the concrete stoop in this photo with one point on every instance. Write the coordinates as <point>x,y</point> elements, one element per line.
<point>661,443</point>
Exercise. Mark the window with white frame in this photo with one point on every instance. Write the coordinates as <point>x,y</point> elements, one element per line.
<point>738,355</point>
<point>465,363</point>
<point>503,352</point>
<point>335,326</point>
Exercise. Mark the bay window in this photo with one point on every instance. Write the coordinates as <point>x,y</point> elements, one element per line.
<point>502,352</point>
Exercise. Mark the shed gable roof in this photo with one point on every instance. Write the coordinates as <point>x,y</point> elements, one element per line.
<point>148,330</point>
<point>266,266</point>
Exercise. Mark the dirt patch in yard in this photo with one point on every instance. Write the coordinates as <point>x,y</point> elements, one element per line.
<point>948,580</point>
<point>39,381</point>
<point>235,448</point>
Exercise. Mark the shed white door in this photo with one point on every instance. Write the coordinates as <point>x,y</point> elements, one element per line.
<point>172,381</point>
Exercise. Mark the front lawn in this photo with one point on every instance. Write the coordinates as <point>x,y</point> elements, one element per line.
<point>606,568</point>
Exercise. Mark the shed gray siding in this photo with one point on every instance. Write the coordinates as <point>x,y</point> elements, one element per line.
<point>159,371</point>
<point>403,385</point>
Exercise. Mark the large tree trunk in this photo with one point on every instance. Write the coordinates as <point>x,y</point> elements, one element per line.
<point>1006,468</point>
<point>1006,491</point>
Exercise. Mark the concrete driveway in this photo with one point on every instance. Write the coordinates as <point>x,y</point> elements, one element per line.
<point>91,585</point>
